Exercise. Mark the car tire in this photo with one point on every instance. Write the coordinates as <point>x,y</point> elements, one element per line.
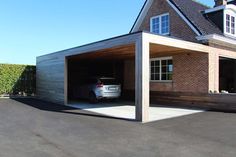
<point>92,98</point>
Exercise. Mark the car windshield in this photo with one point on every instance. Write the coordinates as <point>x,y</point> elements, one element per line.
<point>109,81</point>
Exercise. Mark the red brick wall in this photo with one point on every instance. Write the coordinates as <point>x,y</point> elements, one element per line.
<point>129,75</point>
<point>177,25</point>
<point>190,75</point>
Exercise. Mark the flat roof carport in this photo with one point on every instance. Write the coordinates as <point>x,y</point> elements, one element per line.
<point>140,46</point>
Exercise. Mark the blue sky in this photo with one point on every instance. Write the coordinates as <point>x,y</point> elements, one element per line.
<point>31,28</point>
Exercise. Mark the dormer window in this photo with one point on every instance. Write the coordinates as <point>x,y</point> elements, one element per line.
<point>160,24</point>
<point>230,24</point>
<point>229,21</point>
<point>224,16</point>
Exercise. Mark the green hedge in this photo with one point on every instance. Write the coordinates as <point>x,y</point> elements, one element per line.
<point>17,79</point>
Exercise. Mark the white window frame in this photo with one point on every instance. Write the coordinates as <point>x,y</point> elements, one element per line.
<point>160,73</point>
<point>231,14</point>
<point>160,23</point>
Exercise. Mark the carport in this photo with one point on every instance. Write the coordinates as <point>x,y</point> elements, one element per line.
<point>138,47</point>
<point>106,63</point>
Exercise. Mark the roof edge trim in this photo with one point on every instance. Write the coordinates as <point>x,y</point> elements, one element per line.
<point>141,15</point>
<point>222,7</point>
<point>186,20</point>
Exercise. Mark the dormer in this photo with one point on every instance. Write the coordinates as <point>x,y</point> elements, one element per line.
<point>224,16</point>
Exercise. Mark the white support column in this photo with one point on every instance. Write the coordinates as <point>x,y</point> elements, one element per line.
<point>213,61</point>
<point>142,82</point>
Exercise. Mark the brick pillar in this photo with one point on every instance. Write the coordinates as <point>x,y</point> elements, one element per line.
<point>142,57</point>
<point>213,76</point>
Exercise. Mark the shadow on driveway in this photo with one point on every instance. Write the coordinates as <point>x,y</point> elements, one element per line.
<point>52,107</point>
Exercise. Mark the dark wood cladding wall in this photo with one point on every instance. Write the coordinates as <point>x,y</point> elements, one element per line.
<point>50,78</point>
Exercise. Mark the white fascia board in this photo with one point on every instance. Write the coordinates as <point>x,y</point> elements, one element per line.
<point>222,7</point>
<point>184,18</point>
<point>217,39</point>
<point>230,6</point>
<point>214,9</point>
<point>142,16</point>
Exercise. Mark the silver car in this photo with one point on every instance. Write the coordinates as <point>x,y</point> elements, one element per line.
<point>98,88</point>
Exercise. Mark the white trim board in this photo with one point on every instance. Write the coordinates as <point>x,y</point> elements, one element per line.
<point>222,7</point>
<point>218,39</point>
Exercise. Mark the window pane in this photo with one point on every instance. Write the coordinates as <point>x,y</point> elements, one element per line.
<point>165,24</point>
<point>152,77</point>
<point>227,17</point>
<point>155,25</point>
<point>163,77</point>
<point>152,63</point>
<point>232,25</point>
<point>170,62</point>
<point>169,76</point>
<point>157,76</point>
<point>157,69</point>
<point>164,69</point>
<point>157,63</point>
<point>164,62</point>
<point>152,70</point>
<point>170,68</point>
<point>227,23</point>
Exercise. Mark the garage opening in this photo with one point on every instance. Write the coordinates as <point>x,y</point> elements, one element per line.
<point>117,63</point>
<point>107,66</point>
<point>81,71</point>
<point>227,75</point>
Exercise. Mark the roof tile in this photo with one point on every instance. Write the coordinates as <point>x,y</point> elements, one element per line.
<point>194,12</point>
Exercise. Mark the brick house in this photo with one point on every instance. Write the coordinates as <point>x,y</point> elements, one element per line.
<point>199,24</point>
<point>175,47</point>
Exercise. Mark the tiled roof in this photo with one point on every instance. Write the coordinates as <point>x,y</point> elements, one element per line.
<point>193,11</point>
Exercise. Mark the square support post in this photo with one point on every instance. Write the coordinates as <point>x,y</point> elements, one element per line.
<point>213,61</point>
<point>142,82</point>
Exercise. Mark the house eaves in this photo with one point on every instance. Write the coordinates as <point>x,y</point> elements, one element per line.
<point>217,39</point>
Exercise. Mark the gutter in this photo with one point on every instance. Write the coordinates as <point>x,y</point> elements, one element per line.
<point>217,39</point>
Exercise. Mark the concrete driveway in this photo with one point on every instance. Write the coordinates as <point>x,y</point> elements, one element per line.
<point>126,110</point>
<point>32,128</point>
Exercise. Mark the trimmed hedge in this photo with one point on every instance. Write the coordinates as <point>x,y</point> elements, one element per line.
<point>17,79</point>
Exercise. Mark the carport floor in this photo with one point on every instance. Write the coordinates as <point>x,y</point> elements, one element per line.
<point>126,110</point>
